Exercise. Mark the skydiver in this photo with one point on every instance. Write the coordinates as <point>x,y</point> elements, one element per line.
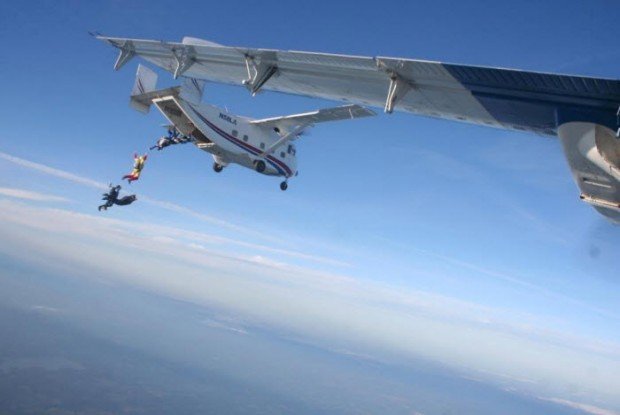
<point>138,165</point>
<point>180,139</point>
<point>111,198</point>
<point>173,138</point>
<point>162,143</point>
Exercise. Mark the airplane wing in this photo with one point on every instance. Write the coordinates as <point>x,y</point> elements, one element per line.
<point>290,126</point>
<point>288,122</point>
<point>502,98</point>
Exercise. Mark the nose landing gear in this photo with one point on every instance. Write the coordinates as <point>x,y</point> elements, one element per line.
<point>283,185</point>
<point>217,167</point>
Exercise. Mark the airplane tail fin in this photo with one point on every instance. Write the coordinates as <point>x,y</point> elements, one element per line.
<point>144,90</point>
<point>146,81</point>
<point>192,89</point>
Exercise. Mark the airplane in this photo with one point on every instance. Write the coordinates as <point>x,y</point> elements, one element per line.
<point>263,145</point>
<point>584,112</point>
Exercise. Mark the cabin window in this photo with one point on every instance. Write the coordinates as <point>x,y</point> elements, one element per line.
<point>235,133</point>
<point>262,146</point>
<point>245,138</point>
<point>282,154</point>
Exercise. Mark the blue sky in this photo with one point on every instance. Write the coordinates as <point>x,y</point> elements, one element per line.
<point>457,215</point>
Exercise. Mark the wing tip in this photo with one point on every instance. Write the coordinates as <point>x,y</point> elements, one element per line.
<point>361,111</point>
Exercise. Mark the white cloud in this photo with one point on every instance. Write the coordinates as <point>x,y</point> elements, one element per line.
<point>30,195</point>
<point>590,409</point>
<point>50,171</point>
<point>173,207</point>
<point>45,309</point>
<point>363,318</point>
<point>224,326</point>
<point>338,311</point>
<point>62,174</point>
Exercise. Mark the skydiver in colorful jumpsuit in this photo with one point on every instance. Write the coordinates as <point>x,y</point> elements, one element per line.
<point>138,165</point>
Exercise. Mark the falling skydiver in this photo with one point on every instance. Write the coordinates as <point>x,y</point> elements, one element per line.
<point>111,198</point>
<point>162,143</point>
<point>173,138</point>
<point>138,165</point>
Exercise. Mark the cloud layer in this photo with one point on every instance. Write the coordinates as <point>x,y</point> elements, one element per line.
<point>30,195</point>
<point>337,311</point>
<point>278,287</point>
<point>169,206</point>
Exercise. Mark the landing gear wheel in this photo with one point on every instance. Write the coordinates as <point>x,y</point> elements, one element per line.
<point>217,167</point>
<point>283,186</point>
<point>260,166</point>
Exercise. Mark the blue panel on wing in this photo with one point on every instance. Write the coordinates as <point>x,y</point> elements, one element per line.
<point>536,116</point>
<point>539,101</point>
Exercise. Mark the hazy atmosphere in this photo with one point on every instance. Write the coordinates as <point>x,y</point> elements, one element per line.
<point>415,266</point>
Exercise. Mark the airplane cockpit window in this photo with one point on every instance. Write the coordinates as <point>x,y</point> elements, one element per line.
<point>245,137</point>
<point>262,146</point>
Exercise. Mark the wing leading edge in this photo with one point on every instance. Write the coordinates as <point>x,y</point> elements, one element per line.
<point>502,98</point>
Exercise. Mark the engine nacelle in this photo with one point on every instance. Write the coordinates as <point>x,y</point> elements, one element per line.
<point>593,153</point>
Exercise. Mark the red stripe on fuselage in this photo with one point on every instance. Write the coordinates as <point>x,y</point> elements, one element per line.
<point>279,165</point>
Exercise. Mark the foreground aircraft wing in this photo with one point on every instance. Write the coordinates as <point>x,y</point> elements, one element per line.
<point>501,98</point>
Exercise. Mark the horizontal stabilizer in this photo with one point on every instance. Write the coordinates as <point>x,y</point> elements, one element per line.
<point>143,102</point>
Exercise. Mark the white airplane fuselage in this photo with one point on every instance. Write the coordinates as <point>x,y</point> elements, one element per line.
<point>232,139</point>
<point>264,145</point>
